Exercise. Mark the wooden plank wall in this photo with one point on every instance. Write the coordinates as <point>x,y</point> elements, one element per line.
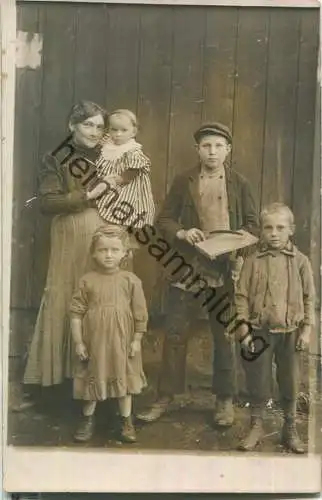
<point>251,68</point>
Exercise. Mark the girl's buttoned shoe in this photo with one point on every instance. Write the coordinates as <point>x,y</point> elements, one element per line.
<point>127,431</point>
<point>85,429</point>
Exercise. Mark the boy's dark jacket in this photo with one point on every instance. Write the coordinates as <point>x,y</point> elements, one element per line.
<point>179,211</point>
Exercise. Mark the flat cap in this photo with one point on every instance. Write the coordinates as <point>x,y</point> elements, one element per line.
<point>214,128</point>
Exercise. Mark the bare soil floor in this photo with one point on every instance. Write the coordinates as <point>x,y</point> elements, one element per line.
<point>188,426</point>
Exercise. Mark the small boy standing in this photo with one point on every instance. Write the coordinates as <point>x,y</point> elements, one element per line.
<point>275,301</point>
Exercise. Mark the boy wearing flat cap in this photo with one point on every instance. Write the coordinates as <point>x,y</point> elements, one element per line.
<point>209,197</point>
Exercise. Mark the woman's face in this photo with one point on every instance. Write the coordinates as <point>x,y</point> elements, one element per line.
<point>89,132</point>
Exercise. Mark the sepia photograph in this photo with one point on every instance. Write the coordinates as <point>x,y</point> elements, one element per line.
<point>165,242</point>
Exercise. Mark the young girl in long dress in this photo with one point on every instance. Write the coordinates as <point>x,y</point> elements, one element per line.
<point>108,320</point>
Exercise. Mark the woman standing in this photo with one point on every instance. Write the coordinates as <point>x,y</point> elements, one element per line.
<point>64,195</point>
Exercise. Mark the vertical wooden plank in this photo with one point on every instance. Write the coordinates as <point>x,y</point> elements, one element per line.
<point>91,53</point>
<point>122,43</point>
<point>27,111</point>
<point>281,105</point>
<point>250,95</point>
<point>57,99</point>
<point>187,88</point>
<point>155,70</point>
<point>315,239</point>
<point>219,64</point>
<point>58,81</point>
<point>154,90</point>
<point>304,145</point>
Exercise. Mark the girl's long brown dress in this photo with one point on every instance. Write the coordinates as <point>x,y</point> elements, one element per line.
<point>112,308</point>
<point>75,219</point>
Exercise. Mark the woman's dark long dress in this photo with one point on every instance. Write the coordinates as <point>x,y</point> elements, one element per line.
<point>75,219</point>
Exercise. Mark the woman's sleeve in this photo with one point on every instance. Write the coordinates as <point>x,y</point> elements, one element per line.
<point>79,302</point>
<point>52,193</point>
<point>139,307</point>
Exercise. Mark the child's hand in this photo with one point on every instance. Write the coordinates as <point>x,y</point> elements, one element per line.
<point>135,348</point>
<point>81,352</point>
<point>236,267</point>
<point>247,343</point>
<point>303,341</point>
<point>113,180</point>
<point>97,191</point>
<point>242,331</point>
<point>192,235</point>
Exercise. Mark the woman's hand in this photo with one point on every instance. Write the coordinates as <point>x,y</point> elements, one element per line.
<point>135,348</point>
<point>81,351</point>
<point>97,191</point>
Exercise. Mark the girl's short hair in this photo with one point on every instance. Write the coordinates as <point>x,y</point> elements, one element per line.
<point>125,112</point>
<point>274,208</point>
<point>83,110</point>
<point>110,231</point>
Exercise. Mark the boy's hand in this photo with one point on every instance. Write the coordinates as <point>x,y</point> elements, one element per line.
<point>247,343</point>
<point>135,348</point>
<point>242,331</point>
<point>192,235</point>
<point>236,267</point>
<point>81,352</point>
<point>303,341</point>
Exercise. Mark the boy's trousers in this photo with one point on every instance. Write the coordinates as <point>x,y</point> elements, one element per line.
<point>282,347</point>
<point>180,305</point>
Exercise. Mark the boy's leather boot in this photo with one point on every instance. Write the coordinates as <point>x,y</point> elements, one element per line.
<point>224,412</point>
<point>85,429</point>
<point>290,439</point>
<point>256,433</point>
<point>127,431</point>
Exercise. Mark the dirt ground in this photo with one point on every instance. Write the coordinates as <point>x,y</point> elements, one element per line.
<point>188,426</point>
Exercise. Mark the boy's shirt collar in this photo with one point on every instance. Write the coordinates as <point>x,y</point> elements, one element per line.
<point>264,250</point>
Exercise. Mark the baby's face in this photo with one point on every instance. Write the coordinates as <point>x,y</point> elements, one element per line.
<point>121,129</point>
<point>276,230</point>
<point>109,252</point>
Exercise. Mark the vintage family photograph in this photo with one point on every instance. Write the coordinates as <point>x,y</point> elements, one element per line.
<point>165,257</point>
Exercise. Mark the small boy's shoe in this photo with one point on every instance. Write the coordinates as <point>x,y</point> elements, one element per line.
<point>85,429</point>
<point>290,439</point>
<point>127,433</point>
<point>254,437</point>
<point>224,412</point>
